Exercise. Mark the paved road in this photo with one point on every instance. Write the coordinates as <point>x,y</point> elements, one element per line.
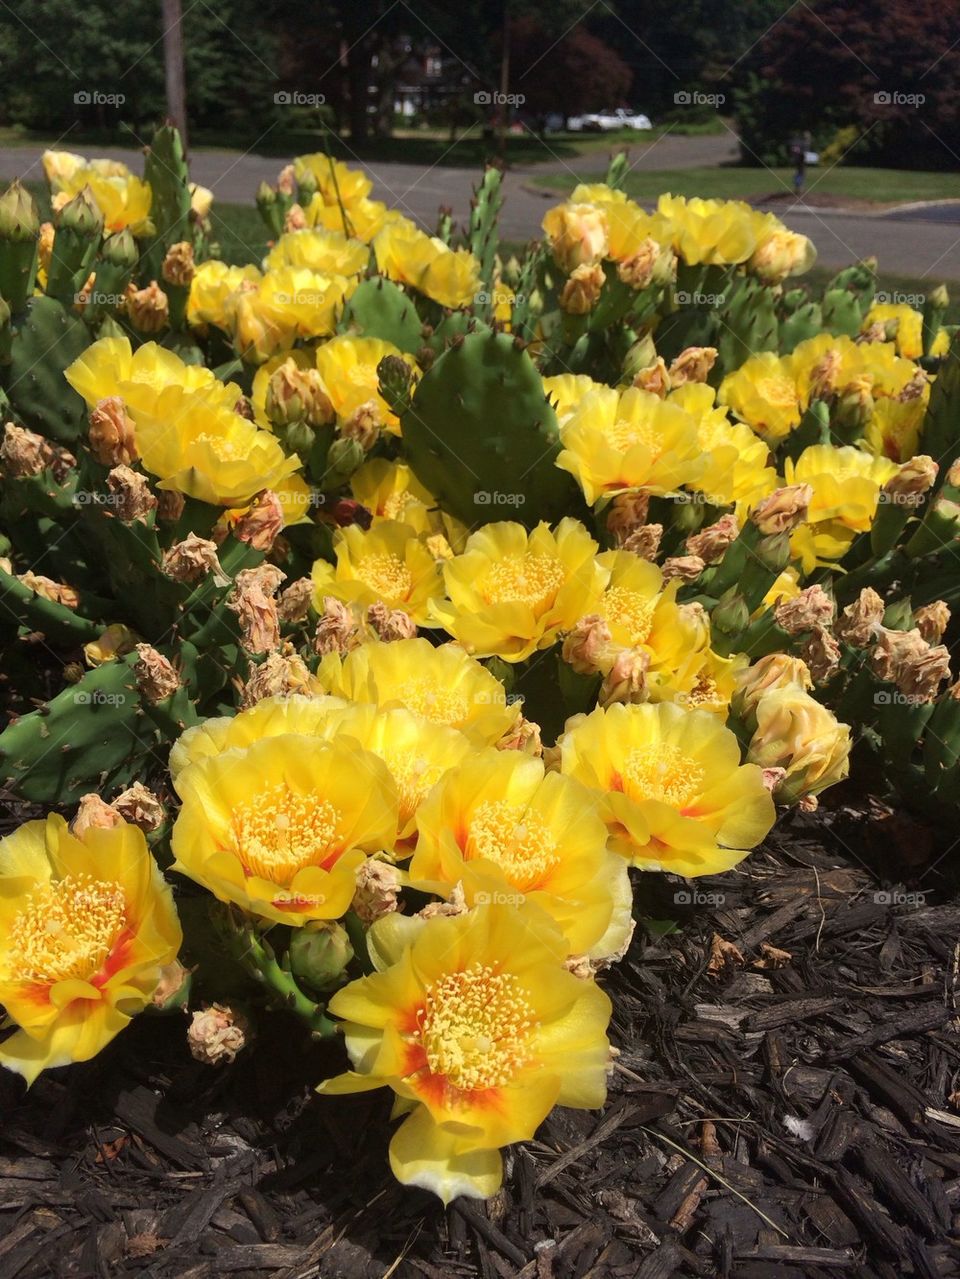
<point>924,244</point>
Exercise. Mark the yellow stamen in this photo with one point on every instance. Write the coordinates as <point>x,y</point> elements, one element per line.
<point>523,579</point>
<point>387,575</point>
<point>439,705</point>
<point>629,609</point>
<point>476,1028</point>
<point>663,773</point>
<point>519,841</point>
<point>414,777</point>
<point>624,435</point>
<point>279,833</point>
<point>66,930</point>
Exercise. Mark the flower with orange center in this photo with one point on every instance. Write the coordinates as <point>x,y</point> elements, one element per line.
<point>388,563</point>
<point>281,827</point>
<point>441,684</point>
<point>479,1030</point>
<point>87,925</point>
<point>676,796</point>
<point>631,440</point>
<point>509,832</point>
<point>512,592</point>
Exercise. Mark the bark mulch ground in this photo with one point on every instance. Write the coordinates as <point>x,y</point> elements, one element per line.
<point>784,1103</point>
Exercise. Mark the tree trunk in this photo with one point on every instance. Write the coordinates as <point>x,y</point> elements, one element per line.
<point>358,78</point>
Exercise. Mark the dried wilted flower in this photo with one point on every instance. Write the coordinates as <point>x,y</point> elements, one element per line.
<point>252,600</point>
<point>178,267</point>
<point>627,680</point>
<point>148,309</point>
<point>860,621</point>
<point>932,620</point>
<point>811,609</point>
<point>524,736</point>
<point>140,807</point>
<point>156,677</point>
<point>644,541</point>
<point>821,653</point>
<point>378,889</point>
<point>581,292</point>
<point>686,567</point>
<point>655,378</point>
<point>217,1034</point>
<point>280,674</point>
<point>783,509</point>
<point>56,592</point>
<point>626,514</point>
<point>711,543</point>
<point>261,521</point>
<point>133,499</point>
<point>391,624</point>
<point>692,365</point>
<point>94,813</point>
<point>294,602</point>
<point>586,646</point>
<point>193,558</point>
<point>338,630</point>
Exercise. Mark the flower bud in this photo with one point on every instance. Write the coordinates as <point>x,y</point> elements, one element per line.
<point>783,253</point>
<point>587,647</point>
<point>730,613</point>
<point>390,624</point>
<point>120,249</point>
<point>693,365</point>
<point>81,214</point>
<point>344,457</point>
<point>640,356</point>
<point>581,292</point>
<point>627,679</point>
<point>217,1034</point>
<point>783,509</point>
<point>156,677</point>
<point>148,310</point>
<point>191,559</point>
<point>775,671</point>
<point>133,499</point>
<point>932,620</point>
<point>711,543</point>
<point>810,609</point>
<point>294,219</point>
<point>319,953</point>
<point>112,436</point>
<point>915,477</point>
<point>378,887</point>
<point>298,395</point>
<point>825,376</point>
<point>18,214</point>
<point>178,268</point>
<point>854,405</point>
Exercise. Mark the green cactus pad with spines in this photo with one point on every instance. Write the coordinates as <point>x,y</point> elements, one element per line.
<point>806,321</point>
<point>56,622</point>
<point>46,339</point>
<point>482,237</point>
<point>381,309</point>
<point>847,299</point>
<point>91,736</point>
<point>480,424</point>
<point>940,436</point>
<point>748,324</point>
<point>165,168</point>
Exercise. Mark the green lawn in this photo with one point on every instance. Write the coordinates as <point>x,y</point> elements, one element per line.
<point>735,182</point>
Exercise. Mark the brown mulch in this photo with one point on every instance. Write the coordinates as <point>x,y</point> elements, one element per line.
<point>784,1104</point>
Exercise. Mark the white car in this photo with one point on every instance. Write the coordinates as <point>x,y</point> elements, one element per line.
<point>608,121</point>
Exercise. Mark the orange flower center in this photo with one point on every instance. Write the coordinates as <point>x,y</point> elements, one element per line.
<point>66,929</point>
<point>523,579</point>
<point>519,841</point>
<point>279,833</point>
<point>387,575</point>
<point>662,773</point>
<point>414,776</point>
<point>476,1028</point>
<point>628,609</point>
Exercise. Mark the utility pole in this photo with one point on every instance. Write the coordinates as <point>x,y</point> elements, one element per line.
<point>173,66</point>
<point>502,119</point>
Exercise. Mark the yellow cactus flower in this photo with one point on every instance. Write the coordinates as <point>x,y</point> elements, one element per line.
<point>512,592</point>
<point>442,684</point>
<point>391,491</point>
<point>893,430</point>
<point>281,827</point>
<point>201,200</point>
<point>213,285</point>
<point>675,795</point>
<point>779,253</point>
<point>336,182</point>
<point>763,393</point>
<point>116,641</point>
<point>60,166</point>
<point>305,716</point>
<point>111,367</point>
<point>795,732</point>
<point>87,924</point>
<point>348,366</point>
<point>123,199</point>
<point>319,250</point>
<point>903,322</point>
<point>207,451</point>
<point>365,218</point>
<point>567,391</point>
<point>709,232</point>
<point>846,486</point>
<point>508,832</point>
<point>289,302</point>
<point>735,470</point>
<point>387,563</point>
<point>577,234</point>
<point>406,254</point>
<point>629,440</point>
<point>480,1032</point>
<point>627,224</point>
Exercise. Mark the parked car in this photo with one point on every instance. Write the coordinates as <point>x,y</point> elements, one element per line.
<point>608,121</point>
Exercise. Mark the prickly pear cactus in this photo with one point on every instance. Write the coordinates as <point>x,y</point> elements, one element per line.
<point>45,339</point>
<point>482,238</point>
<point>482,436</point>
<point>379,308</point>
